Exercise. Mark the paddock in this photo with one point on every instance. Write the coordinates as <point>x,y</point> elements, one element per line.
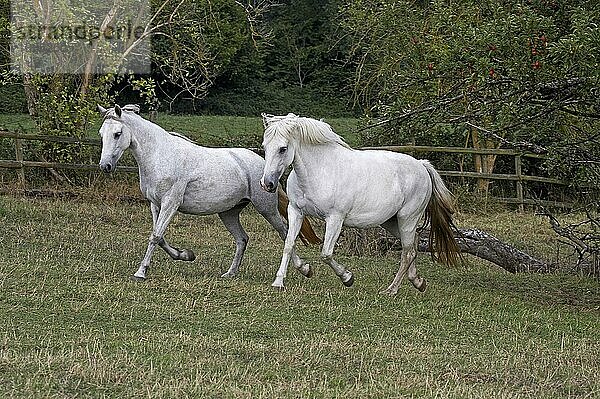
<point>73,321</point>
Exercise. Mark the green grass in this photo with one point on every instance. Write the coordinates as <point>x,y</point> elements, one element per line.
<point>17,122</point>
<point>74,325</point>
<point>206,130</point>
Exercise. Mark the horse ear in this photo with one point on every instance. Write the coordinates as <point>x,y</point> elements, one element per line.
<point>118,110</point>
<point>102,110</point>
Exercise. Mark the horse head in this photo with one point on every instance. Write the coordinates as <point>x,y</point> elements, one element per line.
<point>115,134</point>
<point>279,145</point>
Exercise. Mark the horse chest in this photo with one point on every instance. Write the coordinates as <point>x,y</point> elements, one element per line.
<point>308,207</point>
<point>155,192</point>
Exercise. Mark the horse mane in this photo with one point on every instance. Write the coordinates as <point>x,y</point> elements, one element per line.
<point>181,136</point>
<point>302,129</point>
<point>135,109</point>
<point>111,114</point>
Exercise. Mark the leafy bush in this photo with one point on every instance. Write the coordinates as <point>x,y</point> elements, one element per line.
<point>12,99</point>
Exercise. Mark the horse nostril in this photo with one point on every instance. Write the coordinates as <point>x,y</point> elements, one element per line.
<point>269,186</point>
<point>107,168</point>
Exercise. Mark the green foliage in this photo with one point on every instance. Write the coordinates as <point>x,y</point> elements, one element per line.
<point>289,59</point>
<point>12,99</point>
<point>520,73</point>
<point>202,43</point>
<point>301,70</point>
<point>61,110</point>
<point>146,87</point>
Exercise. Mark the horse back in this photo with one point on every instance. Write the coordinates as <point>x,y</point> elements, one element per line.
<point>368,187</point>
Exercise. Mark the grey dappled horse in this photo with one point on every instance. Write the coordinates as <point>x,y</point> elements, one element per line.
<point>355,188</point>
<point>178,175</point>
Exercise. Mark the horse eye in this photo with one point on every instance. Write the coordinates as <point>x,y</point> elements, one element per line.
<point>117,135</point>
<point>282,150</point>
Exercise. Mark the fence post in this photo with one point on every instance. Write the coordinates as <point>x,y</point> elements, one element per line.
<point>19,158</point>
<point>519,182</point>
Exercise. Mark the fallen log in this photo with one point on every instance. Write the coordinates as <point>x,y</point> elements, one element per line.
<point>485,246</point>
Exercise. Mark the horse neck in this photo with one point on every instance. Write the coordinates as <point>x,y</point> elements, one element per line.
<point>145,139</point>
<point>313,158</point>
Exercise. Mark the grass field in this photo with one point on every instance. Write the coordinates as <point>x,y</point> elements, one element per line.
<point>74,325</point>
<point>206,130</point>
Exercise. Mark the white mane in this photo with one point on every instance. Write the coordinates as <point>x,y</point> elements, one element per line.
<point>181,136</point>
<point>304,130</point>
<point>133,110</point>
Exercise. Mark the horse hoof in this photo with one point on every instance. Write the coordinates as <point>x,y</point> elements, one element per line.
<point>228,275</point>
<point>137,279</point>
<point>278,288</point>
<point>423,286</point>
<point>187,255</point>
<point>310,272</point>
<point>349,282</point>
<point>306,270</point>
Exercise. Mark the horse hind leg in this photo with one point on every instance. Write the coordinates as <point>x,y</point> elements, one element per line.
<point>408,256</point>
<point>418,282</point>
<point>231,221</point>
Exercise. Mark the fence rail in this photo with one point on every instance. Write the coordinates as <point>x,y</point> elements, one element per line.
<point>20,164</point>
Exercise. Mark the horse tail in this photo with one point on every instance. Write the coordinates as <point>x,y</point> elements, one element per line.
<point>307,234</point>
<point>442,244</point>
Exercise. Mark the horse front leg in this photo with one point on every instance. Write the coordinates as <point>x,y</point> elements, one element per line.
<point>161,216</point>
<point>294,225</point>
<point>272,216</point>
<point>174,253</point>
<point>333,227</point>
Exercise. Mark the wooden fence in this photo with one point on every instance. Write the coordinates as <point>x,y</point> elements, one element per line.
<point>519,178</point>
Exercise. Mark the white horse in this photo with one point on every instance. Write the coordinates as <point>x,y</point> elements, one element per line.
<point>178,175</point>
<point>355,188</point>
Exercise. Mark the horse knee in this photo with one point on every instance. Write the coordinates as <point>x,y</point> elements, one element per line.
<point>156,240</point>
<point>242,241</point>
<point>326,258</point>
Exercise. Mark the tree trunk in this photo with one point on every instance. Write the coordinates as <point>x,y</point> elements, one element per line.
<point>31,94</point>
<point>479,163</point>
<point>483,163</point>
<point>485,246</point>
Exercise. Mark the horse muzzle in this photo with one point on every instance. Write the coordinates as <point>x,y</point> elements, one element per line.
<point>107,167</point>
<point>269,184</point>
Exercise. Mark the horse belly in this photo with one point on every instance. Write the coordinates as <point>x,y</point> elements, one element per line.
<point>371,216</point>
<point>201,200</point>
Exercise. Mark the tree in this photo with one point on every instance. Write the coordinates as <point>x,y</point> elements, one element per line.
<point>508,73</point>
<point>72,56</point>
<point>301,68</point>
<point>202,40</point>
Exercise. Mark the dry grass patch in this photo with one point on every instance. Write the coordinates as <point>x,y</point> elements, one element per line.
<point>74,325</point>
